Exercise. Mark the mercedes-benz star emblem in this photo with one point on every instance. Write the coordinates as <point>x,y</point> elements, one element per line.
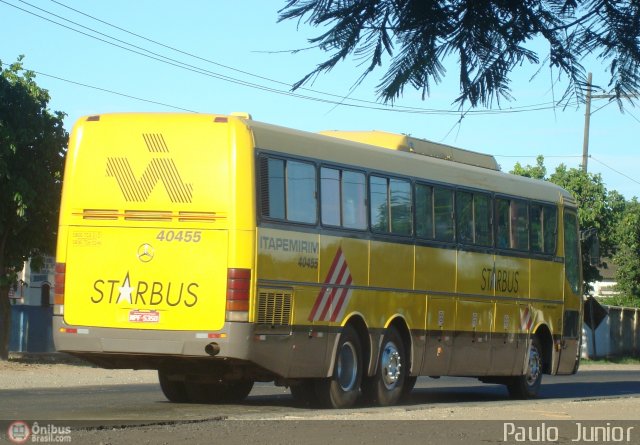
<point>145,252</point>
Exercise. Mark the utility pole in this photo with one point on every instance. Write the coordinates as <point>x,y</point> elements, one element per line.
<point>587,117</point>
<point>587,121</point>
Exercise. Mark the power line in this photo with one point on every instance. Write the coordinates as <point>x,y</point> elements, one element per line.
<point>204,59</point>
<point>179,64</point>
<point>617,171</point>
<point>105,90</point>
<point>633,116</point>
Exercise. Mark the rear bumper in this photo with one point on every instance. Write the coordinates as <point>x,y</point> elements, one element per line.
<point>293,355</point>
<point>232,339</point>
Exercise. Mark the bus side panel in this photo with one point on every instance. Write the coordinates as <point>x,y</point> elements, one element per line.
<point>435,269</point>
<point>391,265</point>
<point>507,342</point>
<point>472,345</point>
<point>441,321</point>
<point>546,280</point>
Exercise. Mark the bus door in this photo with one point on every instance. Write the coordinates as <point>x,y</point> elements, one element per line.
<point>572,325</point>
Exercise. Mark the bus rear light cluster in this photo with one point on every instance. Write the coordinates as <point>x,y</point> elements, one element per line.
<point>238,290</point>
<point>58,296</point>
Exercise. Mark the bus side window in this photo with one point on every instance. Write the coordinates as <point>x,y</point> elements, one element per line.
<point>519,225</point>
<point>464,217</point>
<point>354,211</point>
<point>272,187</point>
<point>424,211</point>
<point>379,200</point>
<point>550,229</point>
<point>288,190</point>
<point>482,219</point>
<point>301,192</point>
<point>536,227</point>
<point>443,214</point>
<point>502,224</point>
<point>400,206</point>
<point>390,205</point>
<point>330,196</point>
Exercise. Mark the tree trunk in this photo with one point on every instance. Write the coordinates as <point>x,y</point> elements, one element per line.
<point>5,306</point>
<point>5,322</point>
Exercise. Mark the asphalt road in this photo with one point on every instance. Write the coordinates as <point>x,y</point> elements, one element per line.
<point>139,413</point>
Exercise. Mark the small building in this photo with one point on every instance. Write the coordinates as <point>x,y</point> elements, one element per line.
<point>31,309</point>
<point>35,286</point>
<point>607,286</point>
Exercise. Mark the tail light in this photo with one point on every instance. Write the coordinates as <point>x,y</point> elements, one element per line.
<point>58,296</point>
<point>238,290</point>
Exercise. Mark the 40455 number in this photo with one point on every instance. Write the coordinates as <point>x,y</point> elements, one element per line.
<point>311,263</point>
<point>180,236</point>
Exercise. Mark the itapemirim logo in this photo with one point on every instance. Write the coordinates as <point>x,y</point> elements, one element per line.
<point>158,170</point>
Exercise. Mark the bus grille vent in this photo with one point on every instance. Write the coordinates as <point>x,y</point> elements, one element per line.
<point>274,307</point>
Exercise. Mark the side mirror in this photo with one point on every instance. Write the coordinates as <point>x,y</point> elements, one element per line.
<point>590,239</point>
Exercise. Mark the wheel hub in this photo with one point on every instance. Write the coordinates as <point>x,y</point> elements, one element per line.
<point>391,363</point>
<point>347,367</point>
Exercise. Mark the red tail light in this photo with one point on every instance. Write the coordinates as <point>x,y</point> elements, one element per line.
<point>238,290</point>
<point>58,296</point>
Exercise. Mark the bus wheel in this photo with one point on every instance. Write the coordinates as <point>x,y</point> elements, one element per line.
<point>342,389</point>
<point>174,390</point>
<point>304,393</point>
<point>527,386</point>
<point>409,384</point>
<point>237,390</point>
<point>219,392</point>
<point>387,386</point>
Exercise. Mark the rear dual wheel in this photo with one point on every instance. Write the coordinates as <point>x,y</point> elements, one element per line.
<point>181,389</point>
<point>527,386</point>
<point>342,389</point>
<point>391,381</point>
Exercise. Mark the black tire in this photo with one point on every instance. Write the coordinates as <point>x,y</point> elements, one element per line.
<point>174,390</point>
<point>527,386</point>
<point>387,386</point>
<point>237,390</point>
<point>218,392</point>
<point>409,384</point>
<point>342,389</point>
<point>304,393</point>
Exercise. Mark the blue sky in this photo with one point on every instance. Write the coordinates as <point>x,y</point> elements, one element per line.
<point>241,43</point>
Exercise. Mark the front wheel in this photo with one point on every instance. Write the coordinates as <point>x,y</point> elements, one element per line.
<point>342,389</point>
<point>387,386</point>
<point>527,386</point>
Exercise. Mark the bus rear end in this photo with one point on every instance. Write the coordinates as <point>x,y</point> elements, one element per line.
<point>149,273</point>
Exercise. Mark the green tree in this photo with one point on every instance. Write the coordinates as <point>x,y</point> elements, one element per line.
<point>488,38</point>
<point>597,207</point>
<point>32,148</point>
<point>627,256</point>
<point>538,171</point>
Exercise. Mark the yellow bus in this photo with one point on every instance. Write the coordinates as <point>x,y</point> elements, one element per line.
<point>222,251</point>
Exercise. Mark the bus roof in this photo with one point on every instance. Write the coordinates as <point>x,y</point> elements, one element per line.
<point>402,142</point>
<point>343,151</point>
